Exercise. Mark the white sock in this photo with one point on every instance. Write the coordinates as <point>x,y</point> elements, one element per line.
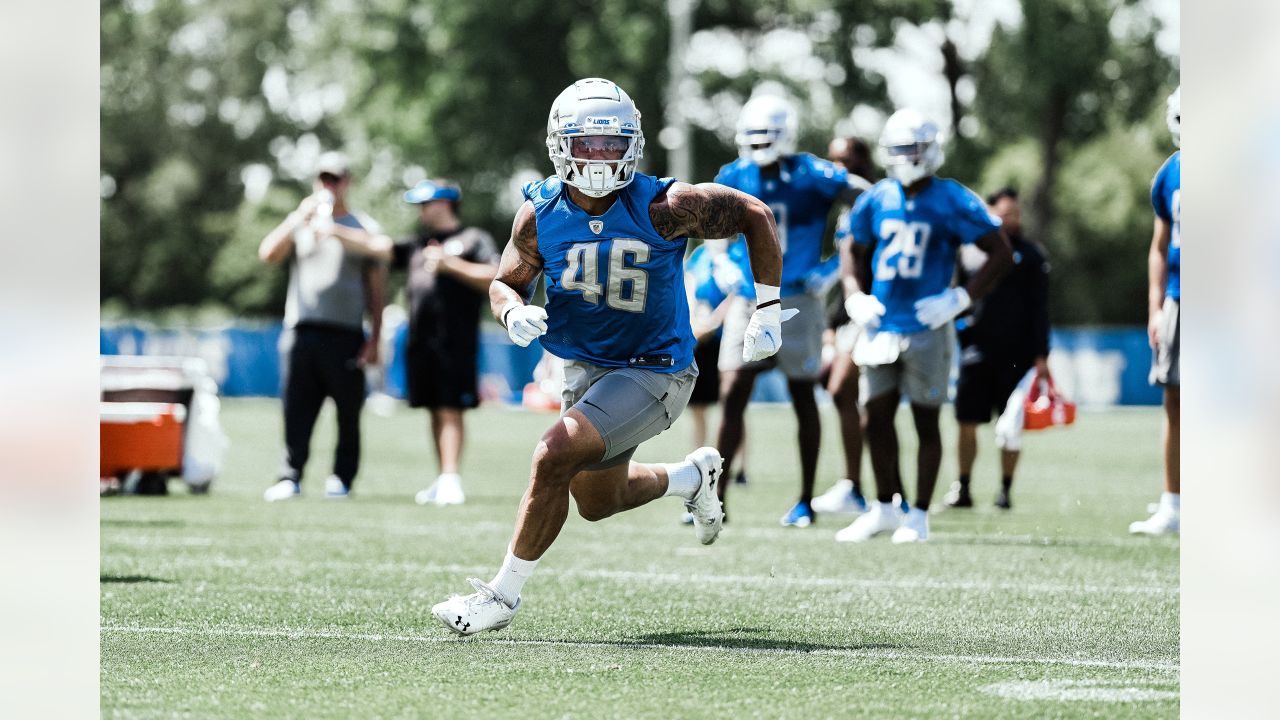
<point>511,577</point>
<point>683,479</point>
<point>455,477</point>
<point>1171,501</point>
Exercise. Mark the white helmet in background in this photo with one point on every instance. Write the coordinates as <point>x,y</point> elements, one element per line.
<point>1173,115</point>
<point>766,130</point>
<point>909,148</point>
<point>594,108</point>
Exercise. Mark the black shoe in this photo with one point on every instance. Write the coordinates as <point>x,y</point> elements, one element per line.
<point>958,497</point>
<point>1002,500</point>
<point>740,478</point>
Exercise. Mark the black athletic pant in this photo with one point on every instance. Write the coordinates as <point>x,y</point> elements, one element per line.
<point>320,362</point>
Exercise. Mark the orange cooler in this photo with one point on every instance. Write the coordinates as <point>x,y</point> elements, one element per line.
<point>141,436</point>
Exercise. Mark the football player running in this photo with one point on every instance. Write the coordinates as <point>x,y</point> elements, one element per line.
<point>906,231</point>
<point>1164,298</point>
<point>801,190</point>
<point>611,243</point>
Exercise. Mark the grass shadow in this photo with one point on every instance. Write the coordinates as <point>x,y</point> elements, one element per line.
<point>741,638</point>
<point>142,523</point>
<point>130,579</point>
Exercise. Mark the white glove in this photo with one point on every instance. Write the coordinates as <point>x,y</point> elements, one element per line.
<point>764,332</point>
<point>863,309</point>
<point>938,310</point>
<point>524,322</point>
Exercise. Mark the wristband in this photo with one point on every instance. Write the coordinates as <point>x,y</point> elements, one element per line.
<point>767,295</point>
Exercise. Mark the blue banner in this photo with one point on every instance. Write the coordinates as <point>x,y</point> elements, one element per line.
<point>1094,367</point>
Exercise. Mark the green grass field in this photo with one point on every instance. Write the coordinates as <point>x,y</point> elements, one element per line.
<point>226,606</point>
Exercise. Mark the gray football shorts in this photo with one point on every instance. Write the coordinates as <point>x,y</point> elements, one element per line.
<point>801,355</point>
<point>626,405</point>
<point>1165,366</point>
<point>921,372</point>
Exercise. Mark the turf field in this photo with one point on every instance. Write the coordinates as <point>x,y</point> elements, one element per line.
<point>225,606</point>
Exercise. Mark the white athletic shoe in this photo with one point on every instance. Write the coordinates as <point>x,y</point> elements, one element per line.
<point>1163,522</point>
<point>335,489</point>
<point>914,528</point>
<point>283,490</point>
<point>881,518</point>
<point>479,611</point>
<point>707,511</point>
<point>446,490</point>
<point>839,499</point>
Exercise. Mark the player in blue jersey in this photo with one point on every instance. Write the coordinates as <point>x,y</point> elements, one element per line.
<point>906,231</point>
<point>713,282</point>
<point>801,190</point>
<point>1164,298</point>
<point>611,242</point>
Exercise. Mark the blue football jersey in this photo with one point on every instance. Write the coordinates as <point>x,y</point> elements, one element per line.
<point>615,287</point>
<point>1166,198</point>
<point>800,196</point>
<point>915,240</point>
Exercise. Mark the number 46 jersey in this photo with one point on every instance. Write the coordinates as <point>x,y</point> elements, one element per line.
<point>615,287</point>
<point>915,241</point>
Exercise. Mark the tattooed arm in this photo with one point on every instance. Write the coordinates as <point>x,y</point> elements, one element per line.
<point>710,210</point>
<point>520,265</point>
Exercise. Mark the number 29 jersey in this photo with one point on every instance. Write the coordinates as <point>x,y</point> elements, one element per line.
<point>915,240</point>
<point>615,287</point>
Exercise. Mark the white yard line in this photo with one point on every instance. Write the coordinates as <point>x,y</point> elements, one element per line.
<point>911,583</point>
<point>867,653</point>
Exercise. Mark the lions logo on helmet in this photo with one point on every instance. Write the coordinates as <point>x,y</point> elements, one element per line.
<point>766,130</point>
<point>586,110</point>
<point>1173,116</point>
<point>909,148</point>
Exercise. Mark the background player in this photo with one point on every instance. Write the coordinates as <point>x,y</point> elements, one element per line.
<point>906,231</point>
<point>801,190</point>
<point>611,244</point>
<point>1164,300</point>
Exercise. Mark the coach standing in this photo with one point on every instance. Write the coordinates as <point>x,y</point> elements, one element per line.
<point>449,270</point>
<point>1006,336</point>
<point>337,272</point>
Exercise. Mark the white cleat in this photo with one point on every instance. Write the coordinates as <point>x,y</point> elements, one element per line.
<point>446,490</point>
<point>914,528</point>
<point>283,490</point>
<point>839,499</point>
<point>335,489</point>
<point>477,612</point>
<point>1163,522</point>
<point>706,508</point>
<point>881,518</point>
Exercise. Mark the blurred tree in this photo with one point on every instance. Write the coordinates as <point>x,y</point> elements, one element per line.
<point>1064,103</point>
<point>212,113</point>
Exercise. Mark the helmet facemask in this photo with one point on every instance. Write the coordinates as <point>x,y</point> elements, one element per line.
<point>589,123</point>
<point>1173,116</point>
<point>595,176</point>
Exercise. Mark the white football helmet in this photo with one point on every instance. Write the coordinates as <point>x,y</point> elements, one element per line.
<point>909,148</point>
<point>594,107</point>
<point>1173,115</point>
<point>766,130</point>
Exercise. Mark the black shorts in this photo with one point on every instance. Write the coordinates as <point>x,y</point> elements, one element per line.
<point>706,391</point>
<point>985,386</point>
<point>438,377</point>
